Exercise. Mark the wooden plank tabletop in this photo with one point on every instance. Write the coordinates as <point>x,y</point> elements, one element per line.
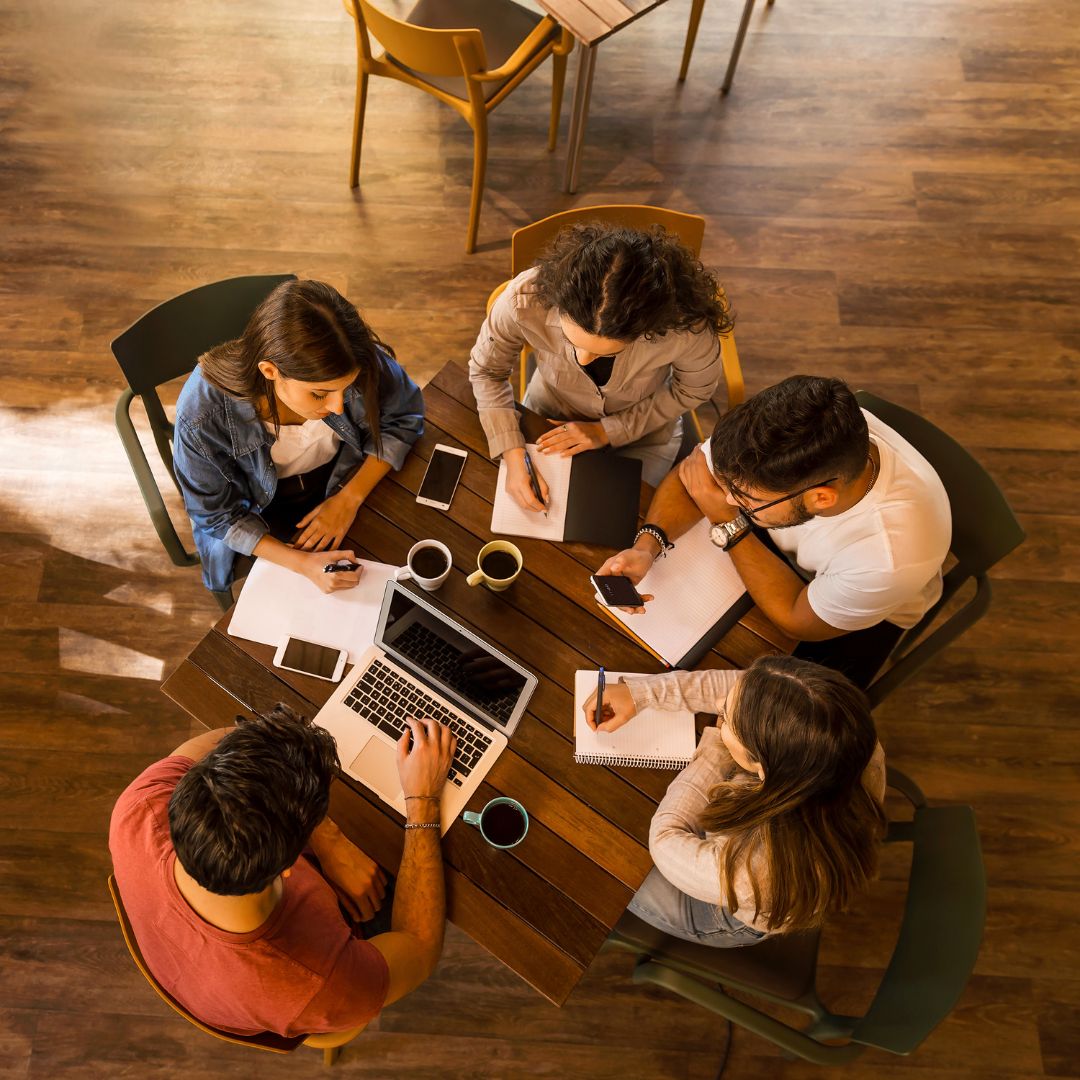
<point>545,907</point>
<point>591,21</point>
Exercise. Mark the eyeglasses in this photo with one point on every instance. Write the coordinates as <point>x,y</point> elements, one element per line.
<point>754,511</point>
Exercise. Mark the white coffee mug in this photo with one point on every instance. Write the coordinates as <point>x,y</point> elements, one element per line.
<point>429,584</point>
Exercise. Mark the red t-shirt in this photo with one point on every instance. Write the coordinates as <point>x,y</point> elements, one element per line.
<point>301,972</point>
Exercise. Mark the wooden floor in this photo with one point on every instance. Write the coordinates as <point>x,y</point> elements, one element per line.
<point>892,196</point>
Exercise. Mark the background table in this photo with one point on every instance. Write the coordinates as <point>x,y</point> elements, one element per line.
<point>590,21</point>
<point>545,907</point>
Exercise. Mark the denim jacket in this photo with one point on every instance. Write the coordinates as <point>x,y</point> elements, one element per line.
<point>221,456</point>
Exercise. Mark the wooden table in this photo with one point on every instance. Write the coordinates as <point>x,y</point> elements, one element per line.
<point>590,21</point>
<point>545,907</point>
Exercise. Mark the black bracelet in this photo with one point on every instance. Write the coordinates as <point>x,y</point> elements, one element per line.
<point>658,534</point>
<point>740,537</point>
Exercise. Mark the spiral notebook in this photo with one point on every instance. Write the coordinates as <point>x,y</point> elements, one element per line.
<point>655,738</point>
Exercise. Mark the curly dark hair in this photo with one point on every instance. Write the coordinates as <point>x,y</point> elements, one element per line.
<point>803,430</point>
<point>623,283</point>
<point>245,812</point>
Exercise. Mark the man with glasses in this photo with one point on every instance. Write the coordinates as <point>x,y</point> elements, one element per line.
<point>837,525</point>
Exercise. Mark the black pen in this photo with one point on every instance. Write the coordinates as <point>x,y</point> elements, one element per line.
<point>533,482</point>
<point>601,682</point>
<point>338,567</point>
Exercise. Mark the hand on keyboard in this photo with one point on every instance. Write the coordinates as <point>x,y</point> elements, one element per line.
<point>425,753</point>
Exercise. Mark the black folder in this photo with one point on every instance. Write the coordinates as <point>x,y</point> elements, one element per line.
<point>602,504</point>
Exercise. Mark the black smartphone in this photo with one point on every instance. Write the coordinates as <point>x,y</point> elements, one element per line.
<point>617,591</point>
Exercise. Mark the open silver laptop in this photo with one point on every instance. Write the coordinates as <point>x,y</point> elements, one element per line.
<point>424,664</point>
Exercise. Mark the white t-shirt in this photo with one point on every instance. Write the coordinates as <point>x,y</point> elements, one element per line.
<point>881,560</point>
<point>299,448</point>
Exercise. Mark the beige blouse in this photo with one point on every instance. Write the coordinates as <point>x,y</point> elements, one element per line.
<point>686,855</point>
<point>652,383</point>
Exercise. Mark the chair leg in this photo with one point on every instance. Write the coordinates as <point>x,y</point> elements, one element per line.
<point>744,22</point>
<point>480,147</point>
<point>696,8</point>
<point>558,81</point>
<point>358,127</point>
<point>330,1054</point>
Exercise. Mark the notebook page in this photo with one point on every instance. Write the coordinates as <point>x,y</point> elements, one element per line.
<point>276,603</point>
<point>510,519</point>
<point>658,738</point>
<point>692,587</point>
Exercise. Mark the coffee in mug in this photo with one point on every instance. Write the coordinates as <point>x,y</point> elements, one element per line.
<point>503,823</point>
<point>498,565</point>
<point>428,564</point>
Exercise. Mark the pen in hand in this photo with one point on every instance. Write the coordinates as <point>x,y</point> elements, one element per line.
<point>340,567</point>
<point>534,483</point>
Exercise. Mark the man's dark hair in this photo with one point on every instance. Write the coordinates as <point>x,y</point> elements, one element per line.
<point>624,283</point>
<point>245,812</point>
<point>801,431</point>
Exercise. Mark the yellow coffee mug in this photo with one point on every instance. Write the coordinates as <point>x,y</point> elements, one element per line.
<point>498,565</point>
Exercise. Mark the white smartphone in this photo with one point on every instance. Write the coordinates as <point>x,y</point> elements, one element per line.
<point>442,476</point>
<point>309,658</point>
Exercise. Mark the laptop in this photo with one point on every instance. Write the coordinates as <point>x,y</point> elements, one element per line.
<point>424,664</point>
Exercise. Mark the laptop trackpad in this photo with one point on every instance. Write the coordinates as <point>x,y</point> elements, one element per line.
<point>376,765</point>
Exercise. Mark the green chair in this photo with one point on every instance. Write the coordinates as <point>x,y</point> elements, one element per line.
<point>984,531</point>
<point>163,345</point>
<point>934,955</point>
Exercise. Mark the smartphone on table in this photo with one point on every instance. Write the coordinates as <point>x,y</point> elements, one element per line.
<point>616,590</point>
<point>442,476</point>
<point>310,658</point>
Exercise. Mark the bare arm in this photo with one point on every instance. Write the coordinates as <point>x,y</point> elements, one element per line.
<point>413,946</point>
<point>200,745</point>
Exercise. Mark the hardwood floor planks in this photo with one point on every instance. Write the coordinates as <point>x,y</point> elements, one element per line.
<point>891,196</point>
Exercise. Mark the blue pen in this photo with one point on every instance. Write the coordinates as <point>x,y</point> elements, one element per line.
<point>600,684</point>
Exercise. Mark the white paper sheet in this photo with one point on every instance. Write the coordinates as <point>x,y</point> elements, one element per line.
<point>509,519</point>
<point>692,588</point>
<point>276,603</point>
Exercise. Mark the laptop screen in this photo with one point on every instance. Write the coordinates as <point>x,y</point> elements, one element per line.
<point>463,665</point>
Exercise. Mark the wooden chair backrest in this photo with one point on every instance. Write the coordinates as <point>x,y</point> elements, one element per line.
<point>266,1040</point>
<point>529,241</point>
<point>433,52</point>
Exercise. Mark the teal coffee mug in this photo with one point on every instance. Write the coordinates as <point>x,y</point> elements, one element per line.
<point>503,823</point>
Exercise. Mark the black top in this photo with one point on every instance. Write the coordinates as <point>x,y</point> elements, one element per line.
<point>599,370</point>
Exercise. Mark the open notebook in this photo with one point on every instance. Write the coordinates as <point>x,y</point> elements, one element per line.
<point>697,597</point>
<point>657,738</point>
<point>592,498</point>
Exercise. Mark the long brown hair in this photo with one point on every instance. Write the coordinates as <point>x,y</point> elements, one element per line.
<point>623,283</point>
<point>810,817</point>
<point>309,332</point>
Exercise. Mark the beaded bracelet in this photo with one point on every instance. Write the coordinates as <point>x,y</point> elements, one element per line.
<point>427,798</point>
<point>422,825</point>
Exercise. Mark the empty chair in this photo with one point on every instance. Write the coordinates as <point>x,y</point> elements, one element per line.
<point>470,54</point>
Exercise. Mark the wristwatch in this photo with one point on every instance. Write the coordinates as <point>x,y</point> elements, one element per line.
<point>726,534</point>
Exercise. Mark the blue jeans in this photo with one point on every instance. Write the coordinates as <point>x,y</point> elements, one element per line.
<point>667,908</point>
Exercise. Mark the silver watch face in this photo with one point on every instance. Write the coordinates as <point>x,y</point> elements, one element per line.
<point>720,534</point>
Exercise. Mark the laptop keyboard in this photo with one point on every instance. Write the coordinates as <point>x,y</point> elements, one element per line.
<point>386,698</point>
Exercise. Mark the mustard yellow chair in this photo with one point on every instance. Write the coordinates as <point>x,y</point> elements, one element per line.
<point>470,54</point>
<point>267,1040</point>
<point>529,241</point>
